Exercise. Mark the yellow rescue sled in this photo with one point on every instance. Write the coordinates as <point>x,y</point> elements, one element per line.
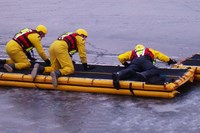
<point>99,80</point>
<point>191,62</point>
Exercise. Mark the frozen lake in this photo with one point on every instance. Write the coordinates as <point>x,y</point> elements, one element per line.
<point>114,26</point>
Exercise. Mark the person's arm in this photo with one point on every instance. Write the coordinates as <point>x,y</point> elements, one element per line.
<point>162,57</point>
<point>123,58</point>
<point>36,41</point>
<point>81,49</point>
<point>82,53</point>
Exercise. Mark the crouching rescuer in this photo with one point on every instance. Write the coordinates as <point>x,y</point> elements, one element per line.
<point>60,55</point>
<point>18,49</point>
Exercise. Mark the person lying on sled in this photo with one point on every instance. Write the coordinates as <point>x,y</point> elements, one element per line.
<point>60,53</point>
<point>20,46</point>
<point>141,64</point>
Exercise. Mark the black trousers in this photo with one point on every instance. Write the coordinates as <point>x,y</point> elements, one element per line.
<point>142,64</point>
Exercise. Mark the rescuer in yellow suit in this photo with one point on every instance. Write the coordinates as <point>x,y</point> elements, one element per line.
<point>18,49</point>
<point>60,53</point>
<point>141,64</point>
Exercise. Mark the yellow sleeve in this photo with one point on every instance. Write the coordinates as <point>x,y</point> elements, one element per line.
<point>160,56</point>
<point>125,57</point>
<point>36,41</point>
<point>81,49</point>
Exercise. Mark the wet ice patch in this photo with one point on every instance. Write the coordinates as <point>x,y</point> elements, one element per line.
<point>165,108</point>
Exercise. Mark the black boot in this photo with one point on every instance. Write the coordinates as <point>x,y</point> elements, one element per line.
<point>2,61</point>
<point>37,69</point>
<point>123,74</point>
<point>54,76</point>
<point>115,77</point>
<point>9,67</point>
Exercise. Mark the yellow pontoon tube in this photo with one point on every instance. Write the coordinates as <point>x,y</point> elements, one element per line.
<point>99,80</point>
<point>191,62</point>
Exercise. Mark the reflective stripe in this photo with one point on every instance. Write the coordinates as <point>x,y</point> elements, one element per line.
<point>70,39</point>
<point>22,39</point>
<point>72,52</point>
<point>29,49</point>
<point>140,52</point>
<point>146,51</point>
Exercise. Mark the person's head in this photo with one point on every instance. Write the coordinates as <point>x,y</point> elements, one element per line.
<point>83,33</point>
<point>42,30</point>
<point>139,47</point>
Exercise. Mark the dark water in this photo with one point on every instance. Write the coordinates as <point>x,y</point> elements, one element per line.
<point>114,26</point>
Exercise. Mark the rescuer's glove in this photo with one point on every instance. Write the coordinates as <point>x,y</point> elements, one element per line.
<point>126,64</point>
<point>171,61</point>
<point>86,67</point>
<point>48,63</point>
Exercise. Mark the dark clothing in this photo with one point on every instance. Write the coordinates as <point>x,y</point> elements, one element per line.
<point>143,65</point>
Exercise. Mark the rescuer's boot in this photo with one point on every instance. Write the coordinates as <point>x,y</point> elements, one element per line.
<point>9,67</point>
<point>115,77</point>
<point>54,76</point>
<point>2,61</point>
<point>37,69</point>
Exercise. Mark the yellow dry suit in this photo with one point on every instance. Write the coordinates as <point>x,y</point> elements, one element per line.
<point>23,42</point>
<point>61,50</point>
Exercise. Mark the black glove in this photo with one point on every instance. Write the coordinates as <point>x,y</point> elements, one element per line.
<point>126,64</point>
<point>28,54</point>
<point>48,63</point>
<point>171,61</point>
<point>86,67</point>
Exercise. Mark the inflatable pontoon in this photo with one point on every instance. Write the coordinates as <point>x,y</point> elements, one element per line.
<point>99,80</point>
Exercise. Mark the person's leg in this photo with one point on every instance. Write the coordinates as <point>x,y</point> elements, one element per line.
<point>149,69</point>
<point>63,64</point>
<point>37,69</point>
<point>20,61</point>
<point>66,63</point>
<point>124,74</point>
<point>66,68</point>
